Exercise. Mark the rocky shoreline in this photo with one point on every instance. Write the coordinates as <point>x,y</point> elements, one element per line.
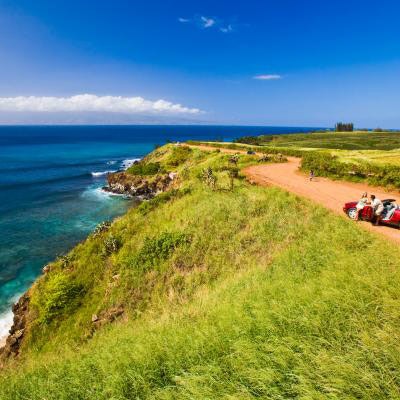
<point>123,183</point>
<point>12,343</point>
<point>119,183</point>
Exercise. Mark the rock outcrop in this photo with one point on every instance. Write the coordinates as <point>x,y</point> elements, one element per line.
<point>14,339</point>
<point>137,186</point>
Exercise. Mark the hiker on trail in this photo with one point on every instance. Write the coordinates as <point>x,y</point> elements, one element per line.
<point>311,175</point>
<point>378,208</point>
<point>361,204</point>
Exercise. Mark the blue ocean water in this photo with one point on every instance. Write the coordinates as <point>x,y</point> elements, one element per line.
<point>49,188</point>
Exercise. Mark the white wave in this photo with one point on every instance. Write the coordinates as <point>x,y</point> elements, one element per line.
<point>6,321</point>
<point>101,194</point>
<point>101,173</point>
<point>127,163</point>
<point>112,162</point>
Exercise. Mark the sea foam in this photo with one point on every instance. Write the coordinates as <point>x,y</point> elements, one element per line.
<point>6,321</point>
<point>101,173</point>
<point>127,163</point>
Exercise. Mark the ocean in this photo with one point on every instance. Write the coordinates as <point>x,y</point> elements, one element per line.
<point>50,188</point>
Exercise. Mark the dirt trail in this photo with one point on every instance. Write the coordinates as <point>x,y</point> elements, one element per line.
<point>331,194</point>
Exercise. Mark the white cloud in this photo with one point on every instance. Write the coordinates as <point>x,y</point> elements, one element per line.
<point>204,22</point>
<point>267,77</point>
<point>93,103</point>
<point>207,22</point>
<point>226,29</point>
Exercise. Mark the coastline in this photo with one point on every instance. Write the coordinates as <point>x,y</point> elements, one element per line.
<point>118,183</point>
<point>7,317</point>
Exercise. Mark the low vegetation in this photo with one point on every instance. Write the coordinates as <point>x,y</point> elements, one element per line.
<point>145,169</point>
<point>227,292</point>
<point>358,140</point>
<point>326,164</point>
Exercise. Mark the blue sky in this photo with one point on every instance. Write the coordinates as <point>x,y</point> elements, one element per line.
<point>317,62</point>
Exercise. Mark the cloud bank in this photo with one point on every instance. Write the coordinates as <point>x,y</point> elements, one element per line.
<point>267,77</point>
<point>93,103</point>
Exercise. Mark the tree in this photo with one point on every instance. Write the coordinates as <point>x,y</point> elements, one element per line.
<point>344,127</point>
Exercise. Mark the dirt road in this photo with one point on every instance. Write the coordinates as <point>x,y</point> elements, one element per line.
<point>331,194</point>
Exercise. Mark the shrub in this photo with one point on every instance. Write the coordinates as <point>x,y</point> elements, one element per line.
<point>233,173</point>
<point>145,169</point>
<point>208,177</point>
<point>60,293</point>
<point>185,173</point>
<point>65,261</point>
<point>158,249</point>
<point>179,155</point>
<point>101,228</point>
<point>234,159</point>
<point>111,245</point>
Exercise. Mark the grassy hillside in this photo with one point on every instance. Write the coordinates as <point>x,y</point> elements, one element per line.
<point>226,293</point>
<point>332,140</point>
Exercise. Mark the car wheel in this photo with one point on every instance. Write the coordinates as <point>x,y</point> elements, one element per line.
<point>352,213</point>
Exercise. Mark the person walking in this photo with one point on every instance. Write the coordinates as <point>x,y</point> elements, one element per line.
<point>377,207</point>
<point>311,175</point>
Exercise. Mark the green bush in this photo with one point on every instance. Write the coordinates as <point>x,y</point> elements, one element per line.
<point>111,245</point>
<point>158,249</point>
<point>179,155</point>
<point>65,261</point>
<point>145,169</point>
<point>101,228</point>
<point>60,293</point>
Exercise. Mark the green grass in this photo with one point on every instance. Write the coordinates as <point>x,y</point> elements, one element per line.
<point>250,293</point>
<point>335,140</point>
<point>389,157</point>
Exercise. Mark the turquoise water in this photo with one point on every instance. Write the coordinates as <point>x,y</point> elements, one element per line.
<point>49,188</point>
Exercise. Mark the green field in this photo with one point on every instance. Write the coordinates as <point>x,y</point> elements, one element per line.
<point>389,157</point>
<point>227,293</point>
<point>336,140</point>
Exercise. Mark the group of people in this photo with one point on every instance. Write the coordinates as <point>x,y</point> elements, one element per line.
<point>380,210</point>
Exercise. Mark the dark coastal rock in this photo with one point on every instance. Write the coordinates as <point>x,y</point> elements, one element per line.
<point>14,339</point>
<point>137,186</point>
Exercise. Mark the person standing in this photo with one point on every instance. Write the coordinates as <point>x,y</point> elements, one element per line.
<point>311,175</point>
<point>377,207</point>
<point>360,205</point>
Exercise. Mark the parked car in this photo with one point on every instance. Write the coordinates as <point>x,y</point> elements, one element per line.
<point>367,213</point>
<point>251,152</point>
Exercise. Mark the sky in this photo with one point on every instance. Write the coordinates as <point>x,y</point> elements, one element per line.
<point>287,62</point>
